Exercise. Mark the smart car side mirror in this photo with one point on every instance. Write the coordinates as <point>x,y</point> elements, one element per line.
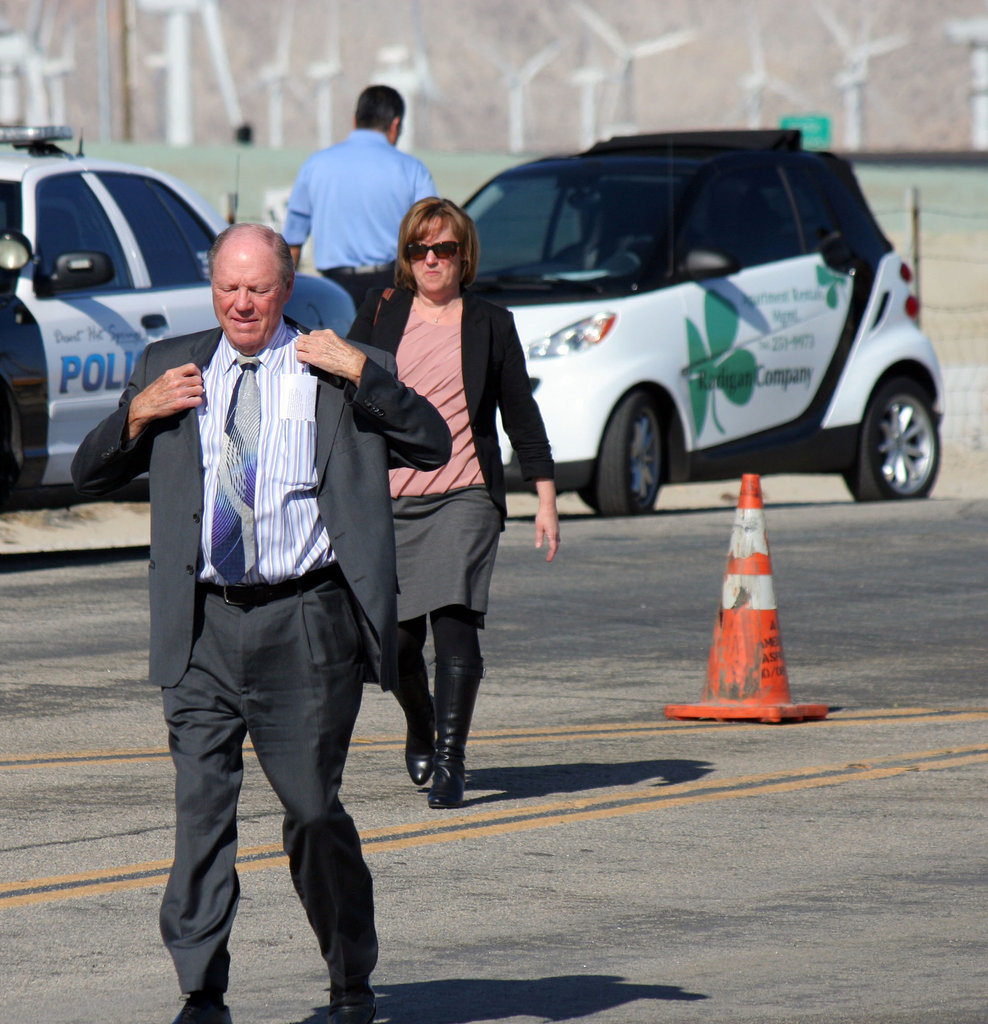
<point>836,252</point>
<point>74,271</point>
<point>701,263</point>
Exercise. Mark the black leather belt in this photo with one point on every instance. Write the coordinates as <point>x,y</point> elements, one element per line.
<point>247,595</point>
<point>373,268</point>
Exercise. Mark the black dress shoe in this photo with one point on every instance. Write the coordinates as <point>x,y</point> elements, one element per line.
<point>353,1013</point>
<point>203,1013</point>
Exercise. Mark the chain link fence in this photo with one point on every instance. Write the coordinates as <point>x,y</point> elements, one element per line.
<point>937,217</point>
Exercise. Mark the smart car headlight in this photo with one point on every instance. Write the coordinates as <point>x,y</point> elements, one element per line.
<point>569,340</point>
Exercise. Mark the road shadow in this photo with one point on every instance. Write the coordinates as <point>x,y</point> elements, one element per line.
<point>37,561</point>
<point>515,782</point>
<point>465,1000</point>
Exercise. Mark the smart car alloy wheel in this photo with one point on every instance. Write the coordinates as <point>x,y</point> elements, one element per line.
<point>899,455</point>
<point>629,469</point>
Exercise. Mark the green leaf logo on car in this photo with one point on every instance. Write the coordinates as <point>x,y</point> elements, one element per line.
<point>831,282</point>
<point>713,364</point>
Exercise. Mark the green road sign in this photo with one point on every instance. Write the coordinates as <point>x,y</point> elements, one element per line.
<point>815,129</point>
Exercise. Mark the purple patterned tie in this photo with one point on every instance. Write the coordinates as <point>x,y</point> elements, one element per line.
<point>233,551</point>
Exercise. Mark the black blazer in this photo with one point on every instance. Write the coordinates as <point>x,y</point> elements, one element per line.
<point>494,377</point>
<point>361,433</point>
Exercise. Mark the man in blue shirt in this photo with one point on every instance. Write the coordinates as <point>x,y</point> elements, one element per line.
<point>352,196</point>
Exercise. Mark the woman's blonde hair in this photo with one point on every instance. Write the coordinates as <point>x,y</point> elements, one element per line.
<point>417,225</point>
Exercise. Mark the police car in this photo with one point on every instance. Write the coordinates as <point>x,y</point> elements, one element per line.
<point>97,259</point>
<point>699,305</point>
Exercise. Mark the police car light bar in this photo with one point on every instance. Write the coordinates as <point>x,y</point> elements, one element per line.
<point>26,136</point>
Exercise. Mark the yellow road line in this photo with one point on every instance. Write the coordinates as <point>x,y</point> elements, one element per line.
<point>491,737</point>
<point>521,818</point>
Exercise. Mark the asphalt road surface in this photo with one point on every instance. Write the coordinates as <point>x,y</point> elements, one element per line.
<point>610,865</point>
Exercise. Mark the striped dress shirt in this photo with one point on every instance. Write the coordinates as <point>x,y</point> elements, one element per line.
<point>291,537</point>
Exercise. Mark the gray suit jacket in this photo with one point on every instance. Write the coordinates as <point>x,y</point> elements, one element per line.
<point>361,433</point>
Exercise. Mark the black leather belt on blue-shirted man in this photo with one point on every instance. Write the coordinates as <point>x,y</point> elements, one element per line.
<point>359,280</point>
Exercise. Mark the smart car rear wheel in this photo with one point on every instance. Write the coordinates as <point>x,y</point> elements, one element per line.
<point>629,467</point>
<point>899,448</point>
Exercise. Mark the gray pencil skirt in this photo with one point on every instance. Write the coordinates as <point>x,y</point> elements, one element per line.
<point>447,544</point>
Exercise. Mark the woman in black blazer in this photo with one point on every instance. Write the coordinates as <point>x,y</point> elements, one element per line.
<point>464,355</point>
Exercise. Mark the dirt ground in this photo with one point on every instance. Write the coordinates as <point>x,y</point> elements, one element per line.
<point>963,475</point>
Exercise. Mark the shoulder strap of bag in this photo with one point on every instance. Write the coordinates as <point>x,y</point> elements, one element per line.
<point>385,297</point>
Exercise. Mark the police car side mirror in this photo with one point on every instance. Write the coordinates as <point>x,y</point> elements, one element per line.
<point>15,250</point>
<point>701,263</point>
<point>74,271</point>
<point>15,254</point>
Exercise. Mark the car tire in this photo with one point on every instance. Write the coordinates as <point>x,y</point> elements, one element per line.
<point>8,464</point>
<point>899,445</point>
<point>629,465</point>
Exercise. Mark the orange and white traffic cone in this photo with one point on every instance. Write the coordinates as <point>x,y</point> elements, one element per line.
<point>746,671</point>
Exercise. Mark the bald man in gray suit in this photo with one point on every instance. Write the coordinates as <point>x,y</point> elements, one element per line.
<point>279,652</point>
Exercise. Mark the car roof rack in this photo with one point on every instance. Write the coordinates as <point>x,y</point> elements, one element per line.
<point>703,143</point>
<point>37,140</point>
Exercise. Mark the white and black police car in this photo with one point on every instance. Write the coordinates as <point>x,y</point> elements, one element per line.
<point>696,306</point>
<point>97,259</point>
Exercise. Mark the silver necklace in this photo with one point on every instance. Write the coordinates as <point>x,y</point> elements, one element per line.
<point>435,319</point>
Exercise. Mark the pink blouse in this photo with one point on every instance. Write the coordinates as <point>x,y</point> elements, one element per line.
<point>430,363</point>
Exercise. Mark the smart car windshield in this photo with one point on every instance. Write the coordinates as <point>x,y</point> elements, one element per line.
<point>596,222</point>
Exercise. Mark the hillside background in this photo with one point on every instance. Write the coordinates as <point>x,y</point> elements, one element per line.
<point>917,96</point>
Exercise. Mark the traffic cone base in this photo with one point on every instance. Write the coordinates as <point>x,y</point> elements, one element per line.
<point>746,670</point>
<point>774,715</point>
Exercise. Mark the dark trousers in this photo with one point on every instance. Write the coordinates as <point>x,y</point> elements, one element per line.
<point>288,675</point>
<point>359,280</point>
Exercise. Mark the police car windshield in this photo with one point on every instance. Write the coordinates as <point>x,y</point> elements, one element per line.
<point>580,219</point>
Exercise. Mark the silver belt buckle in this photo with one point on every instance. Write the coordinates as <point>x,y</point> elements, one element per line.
<point>229,599</point>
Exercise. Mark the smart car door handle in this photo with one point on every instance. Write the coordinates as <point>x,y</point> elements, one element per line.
<point>153,321</point>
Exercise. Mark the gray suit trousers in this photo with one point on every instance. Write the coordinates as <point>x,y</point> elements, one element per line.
<point>288,674</point>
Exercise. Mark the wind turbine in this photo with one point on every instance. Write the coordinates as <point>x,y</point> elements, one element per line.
<point>517,81</point>
<point>35,94</point>
<point>323,73</point>
<point>275,75</point>
<point>626,54</point>
<point>55,70</point>
<point>428,92</point>
<point>177,63</point>
<point>21,65</point>
<point>588,78</point>
<point>853,77</point>
<point>756,82</point>
<point>12,49</point>
<point>973,32</point>
<point>407,70</point>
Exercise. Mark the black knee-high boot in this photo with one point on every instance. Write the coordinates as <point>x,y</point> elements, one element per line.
<point>413,695</point>
<point>457,682</point>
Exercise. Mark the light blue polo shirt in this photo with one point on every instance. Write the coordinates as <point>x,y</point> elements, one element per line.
<point>351,197</point>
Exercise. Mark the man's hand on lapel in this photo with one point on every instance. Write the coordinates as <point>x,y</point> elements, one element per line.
<point>328,351</point>
<point>176,390</point>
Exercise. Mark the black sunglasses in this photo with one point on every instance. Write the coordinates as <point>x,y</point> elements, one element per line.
<point>444,250</point>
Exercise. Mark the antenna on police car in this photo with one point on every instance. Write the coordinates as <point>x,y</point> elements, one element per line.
<point>233,198</point>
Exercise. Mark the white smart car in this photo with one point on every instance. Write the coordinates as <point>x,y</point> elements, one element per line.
<point>701,305</point>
